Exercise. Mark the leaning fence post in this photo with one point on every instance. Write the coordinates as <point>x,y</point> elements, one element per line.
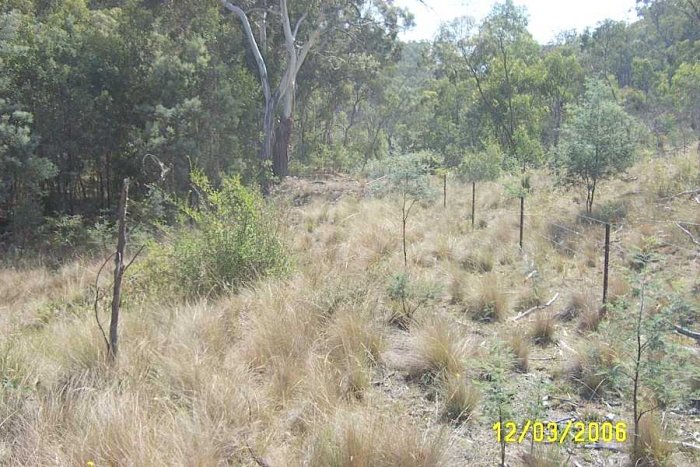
<point>607,265</point>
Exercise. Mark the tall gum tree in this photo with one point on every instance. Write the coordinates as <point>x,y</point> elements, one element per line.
<point>310,29</point>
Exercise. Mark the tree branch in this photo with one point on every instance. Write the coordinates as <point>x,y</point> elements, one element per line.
<point>313,38</point>
<point>262,68</point>
<point>97,298</point>
<point>288,36</point>
<point>687,232</point>
<point>685,445</point>
<point>688,333</point>
<point>299,21</point>
<point>135,256</point>
<point>535,308</point>
<point>689,192</point>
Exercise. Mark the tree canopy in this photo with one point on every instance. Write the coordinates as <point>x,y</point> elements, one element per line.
<point>94,91</point>
<point>598,141</point>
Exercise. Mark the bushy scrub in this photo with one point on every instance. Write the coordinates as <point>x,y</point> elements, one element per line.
<point>229,239</point>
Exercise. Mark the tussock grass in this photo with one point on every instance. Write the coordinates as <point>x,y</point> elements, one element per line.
<point>433,349</point>
<point>530,298</point>
<point>445,247</point>
<point>589,320</point>
<point>563,237</point>
<point>592,368</point>
<point>488,302</point>
<point>618,289</point>
<point>652,447</point>
<point>362,439</point>
<point>275,327</point>
<point>301,370</point>
<point>542,329</point>
<point>519,348</point>
<point>457,288</point>
<point>580,303</point>
<point>461,398</point>
<point>544,456</point>
<point>480,261</point>
<point>355,343</point>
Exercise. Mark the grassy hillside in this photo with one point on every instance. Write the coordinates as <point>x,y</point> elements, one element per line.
<point>354,360</point>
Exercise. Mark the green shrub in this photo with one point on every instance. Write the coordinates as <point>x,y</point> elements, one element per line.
<point>407,297</point>
<point>232,239</point>
<point>614,211</point>
<point>64,232</point>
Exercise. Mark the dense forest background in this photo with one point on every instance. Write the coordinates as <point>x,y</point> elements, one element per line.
<point>93,91</point>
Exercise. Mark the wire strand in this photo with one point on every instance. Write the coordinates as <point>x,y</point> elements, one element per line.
<point>567,229</point>
<point>557,244</point>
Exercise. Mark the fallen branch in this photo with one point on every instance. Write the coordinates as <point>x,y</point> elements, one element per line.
<point>688,333</point>
<point>536,308</point>
<point>687,232</point>
<point>603,447</point>
<point>689,192</point>
<point>376,180</point>
<point>685,445</point>
<point>258,460</point>
<point>529,276</point>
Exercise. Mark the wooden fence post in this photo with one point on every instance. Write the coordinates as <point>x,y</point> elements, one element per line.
<point>473,202</point>
<point>522,219</point>
<point>444,190</point>
<point>607,265</point>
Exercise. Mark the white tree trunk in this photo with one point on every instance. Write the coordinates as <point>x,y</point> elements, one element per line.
<point>270,104</point>
<point>287,87</point>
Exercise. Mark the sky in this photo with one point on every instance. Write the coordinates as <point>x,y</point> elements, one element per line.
<point>546,17</point>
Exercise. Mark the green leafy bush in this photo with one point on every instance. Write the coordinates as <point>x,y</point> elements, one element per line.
<point>231,239</point>
<point>64,232</point>
<point>407,297</point>
<point>614,211</point>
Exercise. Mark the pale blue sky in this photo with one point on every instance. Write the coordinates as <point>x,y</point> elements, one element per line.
<point>546,17</point>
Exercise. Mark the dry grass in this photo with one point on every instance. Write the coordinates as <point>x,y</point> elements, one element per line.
<point>460,399</point>
<point>303,370</point>
<point>433,349</point>
<point>479,262</point>
<point>652,447</point>
<point>363,439</point>
<point>457,288</point>
<point>488,302</point>
<point>591,367</point>
<point>580,303</point>
<point>519,348</point>
<point>618,289</point>
<point>542,329</point>
<point>589,320</point>
<point>544,456</point>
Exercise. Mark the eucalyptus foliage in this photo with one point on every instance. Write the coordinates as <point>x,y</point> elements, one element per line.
<point>598,141</point>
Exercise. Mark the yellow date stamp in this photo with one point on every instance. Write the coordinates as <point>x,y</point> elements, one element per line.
<point>560,432</point>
